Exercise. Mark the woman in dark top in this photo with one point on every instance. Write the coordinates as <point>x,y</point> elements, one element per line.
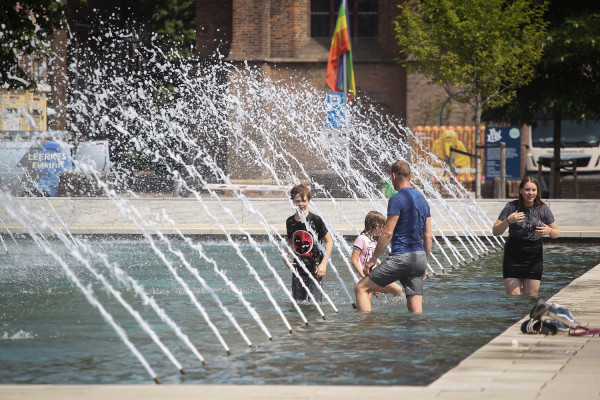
<point>528,219</point>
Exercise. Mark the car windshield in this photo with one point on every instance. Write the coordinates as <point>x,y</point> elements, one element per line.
<point>586,134</point>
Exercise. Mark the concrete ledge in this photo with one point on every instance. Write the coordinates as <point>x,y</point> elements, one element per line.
<point>88,215</point>
<point>566,233</point>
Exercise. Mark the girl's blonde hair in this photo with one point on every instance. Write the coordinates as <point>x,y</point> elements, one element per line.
<point>373,219</point>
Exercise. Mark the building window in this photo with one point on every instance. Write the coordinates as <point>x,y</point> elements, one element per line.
<point>362,14</point>
<point>365,18</point>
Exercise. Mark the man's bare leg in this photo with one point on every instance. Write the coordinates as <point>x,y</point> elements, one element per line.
<point>362,290</point>
<point>414,303</point>
<point>393,289</point>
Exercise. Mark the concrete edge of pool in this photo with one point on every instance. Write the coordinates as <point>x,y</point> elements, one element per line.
<point>512,364</point>
<point>577,219</point>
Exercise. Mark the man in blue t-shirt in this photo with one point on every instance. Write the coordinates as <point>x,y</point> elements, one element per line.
<point>408,227</point>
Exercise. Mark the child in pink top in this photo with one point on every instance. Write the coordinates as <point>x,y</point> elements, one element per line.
<point>363,248</point>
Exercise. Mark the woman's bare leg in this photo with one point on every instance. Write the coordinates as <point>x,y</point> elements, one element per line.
<point>531,287</point>
<point>513,286</point>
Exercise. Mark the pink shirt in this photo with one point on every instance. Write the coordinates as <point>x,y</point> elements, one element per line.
<point>366,246</point>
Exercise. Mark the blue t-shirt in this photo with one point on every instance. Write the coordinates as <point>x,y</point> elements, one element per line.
<point>413,211</point>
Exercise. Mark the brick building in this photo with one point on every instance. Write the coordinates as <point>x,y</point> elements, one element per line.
<point>290,39</point>
<point>296,35</point>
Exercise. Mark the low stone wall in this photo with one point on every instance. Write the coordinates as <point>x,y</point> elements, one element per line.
<point>588,187</point>
<point>576,219</point>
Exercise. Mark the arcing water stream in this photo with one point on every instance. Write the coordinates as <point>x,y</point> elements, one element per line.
<point>201,123</point>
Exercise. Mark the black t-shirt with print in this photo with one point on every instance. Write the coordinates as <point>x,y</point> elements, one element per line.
<point>534,216</point>
<point>303,239</point>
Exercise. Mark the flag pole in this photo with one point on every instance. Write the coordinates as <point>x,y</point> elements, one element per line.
<point>345,107</point>
<point>345,60</point>
<point>345,55</point>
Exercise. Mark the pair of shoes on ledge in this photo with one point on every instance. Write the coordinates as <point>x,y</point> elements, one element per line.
<point>560,319</point>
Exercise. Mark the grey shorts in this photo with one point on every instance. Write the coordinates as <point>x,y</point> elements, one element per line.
<point>408,268</point>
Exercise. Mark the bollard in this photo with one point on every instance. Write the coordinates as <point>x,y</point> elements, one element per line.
<point>497,188</point>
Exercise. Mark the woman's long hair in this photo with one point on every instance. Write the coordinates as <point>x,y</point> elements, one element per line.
<point>538,198</point>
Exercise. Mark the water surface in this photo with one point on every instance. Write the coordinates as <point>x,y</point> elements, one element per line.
<point>49,332</point>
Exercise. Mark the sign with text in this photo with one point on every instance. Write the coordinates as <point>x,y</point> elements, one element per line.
<point>511,136</point>
<point>335,111</point>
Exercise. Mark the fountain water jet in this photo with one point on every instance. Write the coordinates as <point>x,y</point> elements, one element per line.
<point>38,236</point>
<point>170,114</point>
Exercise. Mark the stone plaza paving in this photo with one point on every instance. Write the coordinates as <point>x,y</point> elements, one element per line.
<point>577,219</point>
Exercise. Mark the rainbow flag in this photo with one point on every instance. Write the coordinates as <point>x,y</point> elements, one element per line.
<point>340,45</point>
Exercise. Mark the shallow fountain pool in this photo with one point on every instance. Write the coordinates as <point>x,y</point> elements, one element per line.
<point>49,333</point>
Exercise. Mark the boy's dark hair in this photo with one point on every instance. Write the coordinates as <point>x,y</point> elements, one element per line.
<point>302,190</point>
<point>372,220</point>
<point>401,168</point>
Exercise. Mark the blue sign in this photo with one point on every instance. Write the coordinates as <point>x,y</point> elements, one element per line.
<point>335,111</point>
<point>47,164</point>
<point>511,136</point>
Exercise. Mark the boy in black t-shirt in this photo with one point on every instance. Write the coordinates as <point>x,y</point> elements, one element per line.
<point>302,227</point>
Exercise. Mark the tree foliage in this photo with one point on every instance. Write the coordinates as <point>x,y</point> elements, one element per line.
<point>27,29</point>
<point>486,46</point>
<point>567,78</point>
<point>480,51</point>
<point>566,84</point>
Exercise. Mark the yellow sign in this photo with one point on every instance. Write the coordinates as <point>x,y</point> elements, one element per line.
<point>22,111</point>
<point>439,140</point>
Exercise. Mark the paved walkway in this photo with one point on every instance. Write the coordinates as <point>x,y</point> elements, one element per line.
<point>513,365</point>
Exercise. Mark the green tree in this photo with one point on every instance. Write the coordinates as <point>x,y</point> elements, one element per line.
<point>28,27</point>
<point>479,51</point>
<point>567,79</point>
